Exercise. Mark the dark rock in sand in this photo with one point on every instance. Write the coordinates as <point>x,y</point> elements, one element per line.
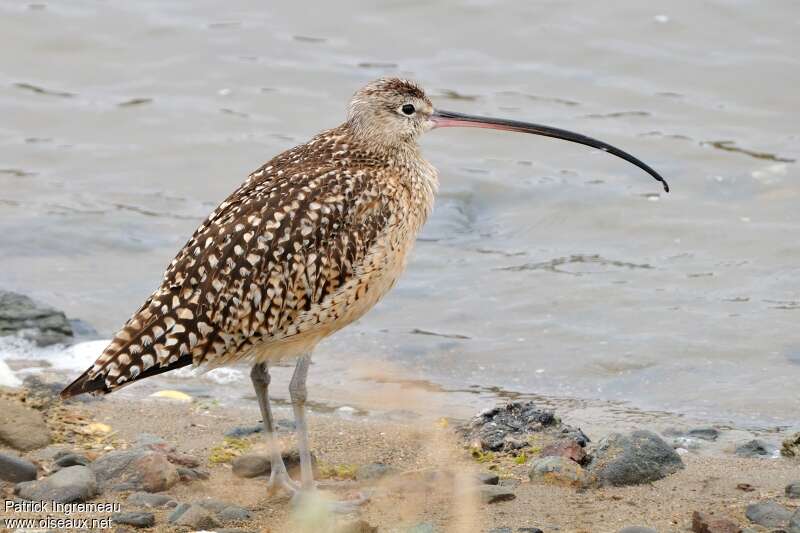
<point>768,514</point>
<point>790,447</point>
<point>753,448</point>
<point>233,513</point>
<point>68,485</point>
<point>72,459</point>
<point>704,433</point>
<point>135,519</point>
<point>21,427</point>
<point>23,317</point>
<point>194,516</point>
<point>487,478</point>
<point>494,494</point>
<point>244,431</point>
<point>637,529</point>
<point>253,465</point>
<point>567,448</point>
<point>793,490</point>
<point>191,474</point>
<point>501,530</point>
<point>632,459</point>
<point>505,428</point>
<point>16,469</point>
<point>151,501</point>
<point>529,530</point>
<point>136,469</point>
<point>707,523</point>
<point>559,470</point>
<point>373,471</point>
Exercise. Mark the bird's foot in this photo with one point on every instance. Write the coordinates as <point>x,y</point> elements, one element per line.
<point>312,500</point>
<point>280,480</point>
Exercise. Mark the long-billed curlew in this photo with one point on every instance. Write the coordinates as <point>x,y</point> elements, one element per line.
<point>308,244</point>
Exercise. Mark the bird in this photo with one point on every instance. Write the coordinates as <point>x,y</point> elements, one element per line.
<point>309,243</point>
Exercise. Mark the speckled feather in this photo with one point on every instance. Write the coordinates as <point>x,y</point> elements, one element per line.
<point>309,243</point>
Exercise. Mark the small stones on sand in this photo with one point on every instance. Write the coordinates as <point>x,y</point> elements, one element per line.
<point>16,469</point>
<point>68,485</point>
<point>633,459</point>
<point>791,446</point>
<point>135,519</point>
<point>793,490</point>
<point>487,478</point>
<point>753,448</point>
<point>151,501</point>
<point>494,494</point>
<point>768,514</point>
<point>707,523</point>
<point>21,427</point>
<point>559,470</point>
<point>194,516</point>
<point>373,471</point>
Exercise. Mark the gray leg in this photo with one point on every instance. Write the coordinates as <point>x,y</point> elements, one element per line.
<point>298,393</point>
<point>278,477</point>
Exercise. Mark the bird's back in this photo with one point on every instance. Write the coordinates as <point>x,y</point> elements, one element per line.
<point>307,244</point>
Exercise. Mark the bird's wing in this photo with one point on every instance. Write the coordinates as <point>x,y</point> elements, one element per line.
<point>281,243</point>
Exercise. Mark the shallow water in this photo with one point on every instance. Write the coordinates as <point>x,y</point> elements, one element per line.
<point>546,267</point>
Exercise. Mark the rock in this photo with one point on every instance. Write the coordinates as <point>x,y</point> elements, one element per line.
<point>68,485</point>
<point>194,516</point>
<point>565,448</point>
<point>21,427</point>
<point>179,510</point>
<point>72,459</point>
<point>487,478</point>
<point>637,529</point>
<point>213,505</point>
<point>191,474</point>
<point>503,428</point>
<point>40,323</point>
<point>530,530</point>
<point>558,470</point>
<point>233,513</point>
<point>244,431</point>
<point>790,447</point>
<point>632,459</point>
<point>136,469</point>
<point>151,501</point>
<point>753,448</point>
<point>768,514</point>
<point>135,519</point>
<point>501,530</point>
<point>793,490</point>
<point>373,471</point>
<point>16,469</point>
<point>704,433</point>
<point>494,494</point>
<point>706,523</point>
<point>50,453</point>
<point>794,522</point>
<point>359,526</point>
<point>253,465</point>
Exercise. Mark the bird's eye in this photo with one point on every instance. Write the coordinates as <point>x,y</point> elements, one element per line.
<point>408,109</point>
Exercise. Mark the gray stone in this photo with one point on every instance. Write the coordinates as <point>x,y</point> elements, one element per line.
<point>151,501</point>
<point>233,513</point>
<point>136,469</point>
<point>135,519</point>
<point>244,431</point>
<point>753,448</point>
<point>40,323</point>
<point>373,471</point>
<point>503,428</point>
<point>501,530</point>
<point>559,470</point>
<point>487,478</point>
<point>637,529</point>
<point>196,516</point>
<point>191,474</point>
<point>16,469</point>
<point>179,510</point>
<point>633,459</point>
<point>253,465</point>
<point>768,514</point>
<point>50,453</point>
<point>21,427</point>
<point>213,505</point>
<point>794,522</point>
<point>494,494</point>
<point>68,485</point>
<point>530,530</point>
<point>793,490</point>
<point>704,433</point>
<point>72,459</point>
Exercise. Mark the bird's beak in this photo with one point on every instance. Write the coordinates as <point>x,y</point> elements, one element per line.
<point>449,119</point>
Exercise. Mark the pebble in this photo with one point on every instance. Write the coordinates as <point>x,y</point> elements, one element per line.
<point>704,433</point>
<point>137,469</point>
<point>233,513</point>
<point>244,431</point>
<point>135,519</point>
<point>558,470</point>
<point>68,485</point>
<point>21,427</point>
<point>768,514</point>
<point>753,448</point>
<point>253,465</point>
<point>637,529</point>
<point>16,469</point>
<point>501,530</point>
<point>191,474</point>
<point>153,501</point>
<point>195,516</point>
<point>494,494</point>
<point>790,447</point>
<point>530,530</point>
<point>793,490</point>
<point>373,471</point>
<point>72,459</point>
<point>487,478</point>
<point>632,459</point>
<point>706,523</point>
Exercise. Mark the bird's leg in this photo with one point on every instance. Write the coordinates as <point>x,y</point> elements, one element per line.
<point>298,394</point>
<point>278,477</point>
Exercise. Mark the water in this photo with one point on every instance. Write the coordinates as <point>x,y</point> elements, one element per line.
<point>546,267</point>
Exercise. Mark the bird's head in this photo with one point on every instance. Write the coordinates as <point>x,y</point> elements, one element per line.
<point>393,112</point>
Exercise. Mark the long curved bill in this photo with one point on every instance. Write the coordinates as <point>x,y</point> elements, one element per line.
<point>450,119</point>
